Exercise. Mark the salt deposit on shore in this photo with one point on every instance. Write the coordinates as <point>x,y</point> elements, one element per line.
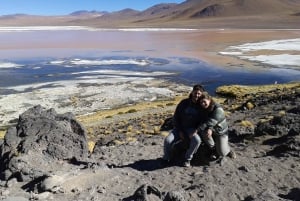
<point>272,52</point>
<point>9,65</point>
<point>64,28</point>
<point>88,94</point>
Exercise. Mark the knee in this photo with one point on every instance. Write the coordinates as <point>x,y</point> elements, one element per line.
<point>223,150</point>
<point>169,139</point>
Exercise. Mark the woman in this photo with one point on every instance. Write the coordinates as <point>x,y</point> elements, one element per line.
<point>214,130</point>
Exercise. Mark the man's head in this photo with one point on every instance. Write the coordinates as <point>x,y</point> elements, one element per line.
<point>198,87</point>
<point>196,92</point>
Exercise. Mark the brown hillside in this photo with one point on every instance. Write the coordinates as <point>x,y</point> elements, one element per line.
<point>189,14</point>
<point>227,8</point>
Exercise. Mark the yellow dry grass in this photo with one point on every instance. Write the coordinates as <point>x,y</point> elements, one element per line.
<point>246,123</point>
<point>241,90</point>
<point>99,115</point>
<point>91,145</point>
<point>2,133</point>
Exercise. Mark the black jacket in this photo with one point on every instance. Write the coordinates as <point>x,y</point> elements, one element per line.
<point>188,116</point>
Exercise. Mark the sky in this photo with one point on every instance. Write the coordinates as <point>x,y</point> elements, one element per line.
<point>64,7</point>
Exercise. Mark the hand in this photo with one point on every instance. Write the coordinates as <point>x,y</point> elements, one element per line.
<point>208,133</point>
<point>192,135</point>
<point>181,135</point>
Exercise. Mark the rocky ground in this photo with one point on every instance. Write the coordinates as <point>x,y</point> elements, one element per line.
<point>50,156</point>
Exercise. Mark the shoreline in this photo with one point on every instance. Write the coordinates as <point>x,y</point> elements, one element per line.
<point>205,45</point>
<point>167,106</point>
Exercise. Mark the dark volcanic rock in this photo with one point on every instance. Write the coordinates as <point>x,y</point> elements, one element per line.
<point>287,127</point>
<point>146,192</point>
<point>280,125</point>
<point>39,142</point>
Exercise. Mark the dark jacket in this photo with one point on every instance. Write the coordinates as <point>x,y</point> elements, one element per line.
<point>188,116</point>
<point>215,120</point>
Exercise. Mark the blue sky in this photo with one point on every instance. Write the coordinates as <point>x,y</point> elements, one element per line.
<point>62,7</point>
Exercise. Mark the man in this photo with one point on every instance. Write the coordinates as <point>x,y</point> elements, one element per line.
<point>187,118</point>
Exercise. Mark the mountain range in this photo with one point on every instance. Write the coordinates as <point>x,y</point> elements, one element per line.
<point>189,14</point>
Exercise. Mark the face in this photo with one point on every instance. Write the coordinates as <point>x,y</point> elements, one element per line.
<point>196,94</point>
<point>205,103</point>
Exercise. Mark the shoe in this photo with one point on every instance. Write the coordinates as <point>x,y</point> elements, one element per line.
<point>213,157</point>
<point>187,163</point>
<point>231,154</point>
<point>222,161</point>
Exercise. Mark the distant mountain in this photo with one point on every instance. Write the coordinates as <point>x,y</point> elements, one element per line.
<point>125,13</point>
<point>192,9</point>
<point>158,9</point>
<point>191,13</point>
<point>88,13</point>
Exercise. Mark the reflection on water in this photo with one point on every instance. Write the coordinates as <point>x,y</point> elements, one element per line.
<point>43,56</point>
<point>182,70</point>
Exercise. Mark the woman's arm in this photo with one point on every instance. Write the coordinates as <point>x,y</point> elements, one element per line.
<point>214,120</point>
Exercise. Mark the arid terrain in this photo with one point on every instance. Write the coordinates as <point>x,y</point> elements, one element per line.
<point>116,154</point>
<point>120,158</point>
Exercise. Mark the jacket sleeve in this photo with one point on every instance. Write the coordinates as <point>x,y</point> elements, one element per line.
<point>176,116</point>
<point>216,121</point>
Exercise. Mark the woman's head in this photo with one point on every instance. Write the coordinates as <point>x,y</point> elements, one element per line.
<point>206,101</point>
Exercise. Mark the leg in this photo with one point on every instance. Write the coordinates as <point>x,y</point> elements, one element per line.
<point>209,141</point>
<point>222,145</point>
<point>169,140</point>
<point>195,142</point>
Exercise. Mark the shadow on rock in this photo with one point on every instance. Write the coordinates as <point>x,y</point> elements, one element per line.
<point>200,159</point>
<point>294,194</point>
<point>146,192</point>
<point>284,146</point>
<point>30,186</point>
<point>147,165</point>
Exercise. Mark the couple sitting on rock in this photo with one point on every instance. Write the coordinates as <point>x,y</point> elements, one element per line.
<point>198,118</point>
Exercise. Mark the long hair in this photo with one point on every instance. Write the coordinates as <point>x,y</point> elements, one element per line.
<point>212,103</point>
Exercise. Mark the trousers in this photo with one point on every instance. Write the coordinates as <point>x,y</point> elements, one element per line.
<point>174,137</point>
<point>218,141</point>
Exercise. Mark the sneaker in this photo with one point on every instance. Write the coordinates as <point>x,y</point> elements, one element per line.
<point>213,157</point>
<point>222,161</point>
<point>231,154</point>
<point>187,163</point>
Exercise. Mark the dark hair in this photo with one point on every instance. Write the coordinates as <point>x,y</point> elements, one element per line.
<point>198,87</point>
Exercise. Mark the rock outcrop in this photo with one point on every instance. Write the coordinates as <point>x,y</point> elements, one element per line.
<point>40,142</point>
